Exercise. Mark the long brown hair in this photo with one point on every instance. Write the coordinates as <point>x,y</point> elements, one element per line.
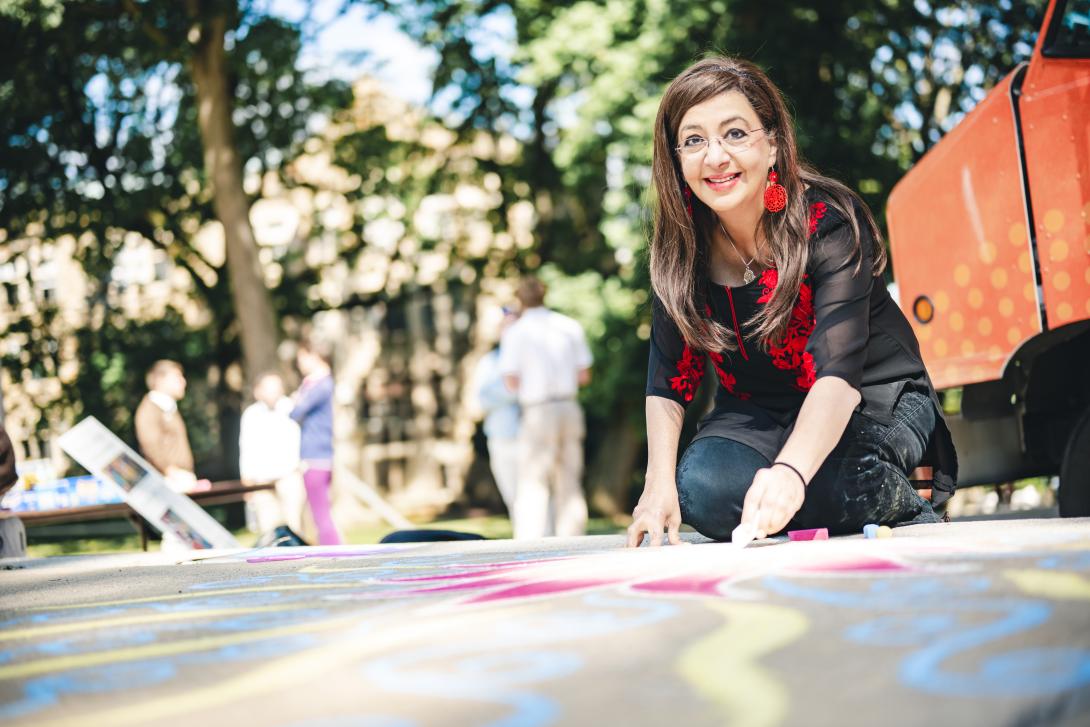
<point>680,245</point>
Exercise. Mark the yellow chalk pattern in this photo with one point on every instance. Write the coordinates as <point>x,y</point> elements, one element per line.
<point>723,666</point>
<point>152,651</point>
<point>1051,584</point>
<point>350,646</point>
<point>145,619</point>
<point>202,594</point>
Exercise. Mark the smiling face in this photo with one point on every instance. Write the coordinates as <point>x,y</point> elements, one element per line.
<point>725,179</point>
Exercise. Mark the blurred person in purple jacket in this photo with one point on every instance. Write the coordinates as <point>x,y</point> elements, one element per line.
<point>7,463</point>
<point>314,412</point>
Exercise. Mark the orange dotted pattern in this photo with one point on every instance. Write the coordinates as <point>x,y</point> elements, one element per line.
<point>1065,265</point>
<point>1058,119</point>
<point>958,235</point>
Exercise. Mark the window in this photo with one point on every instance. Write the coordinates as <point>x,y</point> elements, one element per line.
<point>1069,36</point>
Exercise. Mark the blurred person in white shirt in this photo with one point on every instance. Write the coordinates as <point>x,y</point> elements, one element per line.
<point>544,359</point>
<point>501,419</point>
<point>269,455</point>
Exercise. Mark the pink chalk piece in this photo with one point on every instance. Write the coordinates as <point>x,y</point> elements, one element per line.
<point>813,534</point>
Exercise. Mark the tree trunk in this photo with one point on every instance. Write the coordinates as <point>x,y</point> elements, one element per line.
<point>613,467</point>
<point>258,329</point>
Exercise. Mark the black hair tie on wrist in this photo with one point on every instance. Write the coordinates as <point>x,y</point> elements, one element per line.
<point>793,469</point>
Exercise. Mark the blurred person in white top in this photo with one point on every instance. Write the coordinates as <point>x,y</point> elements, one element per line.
<point>269,454</point>
<point>501,418</point>
<point>544,359</point>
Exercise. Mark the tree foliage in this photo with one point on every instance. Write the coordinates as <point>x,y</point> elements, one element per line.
<point>98,114</point>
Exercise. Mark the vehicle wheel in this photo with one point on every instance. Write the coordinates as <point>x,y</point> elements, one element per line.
<point>1075,471</point>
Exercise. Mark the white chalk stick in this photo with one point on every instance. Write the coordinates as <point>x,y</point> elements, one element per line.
<point>744,534</point>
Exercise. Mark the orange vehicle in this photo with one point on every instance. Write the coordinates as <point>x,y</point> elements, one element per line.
<point>990,241</point>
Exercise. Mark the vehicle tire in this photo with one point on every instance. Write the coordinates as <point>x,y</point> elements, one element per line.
<point>1075,471</point>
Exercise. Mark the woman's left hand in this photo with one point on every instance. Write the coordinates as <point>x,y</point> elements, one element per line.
<point>772,500</point>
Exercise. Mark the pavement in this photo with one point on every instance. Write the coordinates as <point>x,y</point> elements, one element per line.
<point>977,623</point>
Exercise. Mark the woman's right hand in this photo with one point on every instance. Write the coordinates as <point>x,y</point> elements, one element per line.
<point>657,510</point>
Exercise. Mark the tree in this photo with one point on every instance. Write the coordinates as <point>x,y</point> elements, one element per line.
<point>122,117</point>
<point>208,64</point>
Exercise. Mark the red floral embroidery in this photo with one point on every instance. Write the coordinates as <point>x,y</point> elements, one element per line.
<point>768,282</point>
<point>690,371</point>
<point>817,211</point>
<point>726,379</point>
<point>790,353</point>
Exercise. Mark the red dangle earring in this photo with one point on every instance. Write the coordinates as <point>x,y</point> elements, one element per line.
<point>775,193</point>
<point>688,192</point>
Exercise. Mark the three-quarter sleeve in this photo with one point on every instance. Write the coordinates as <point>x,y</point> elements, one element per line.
<point>841,296</point>
<point>674,370</point>
<point>312,399</point>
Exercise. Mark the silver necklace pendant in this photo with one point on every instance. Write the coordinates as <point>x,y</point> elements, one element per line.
<point>748,276</point>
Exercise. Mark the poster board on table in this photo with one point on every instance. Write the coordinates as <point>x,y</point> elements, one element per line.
<point>103,454</point>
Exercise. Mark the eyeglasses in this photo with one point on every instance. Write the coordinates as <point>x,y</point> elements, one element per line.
<point>735,141</point>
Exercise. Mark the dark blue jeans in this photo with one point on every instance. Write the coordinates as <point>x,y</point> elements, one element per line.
<point>863,480</point>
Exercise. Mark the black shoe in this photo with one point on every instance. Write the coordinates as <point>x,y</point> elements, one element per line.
<point>280,537</point>
<point>428,536</point>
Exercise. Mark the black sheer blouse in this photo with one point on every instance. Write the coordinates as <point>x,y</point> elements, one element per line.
<point>844,324</point>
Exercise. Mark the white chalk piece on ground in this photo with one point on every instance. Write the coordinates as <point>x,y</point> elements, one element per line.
<point>870,531</point>
<point>184,524</point>
<point>12,536</point>
<point>745,533</point>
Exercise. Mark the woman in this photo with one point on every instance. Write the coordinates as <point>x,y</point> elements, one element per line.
<point>314,413</point>
<point>769,274</point>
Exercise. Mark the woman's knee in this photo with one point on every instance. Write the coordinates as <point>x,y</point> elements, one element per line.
<point>712,479</point>
<point>850,492</point>
<point>914,420</point>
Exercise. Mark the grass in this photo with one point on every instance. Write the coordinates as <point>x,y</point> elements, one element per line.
<point>490,526</point>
